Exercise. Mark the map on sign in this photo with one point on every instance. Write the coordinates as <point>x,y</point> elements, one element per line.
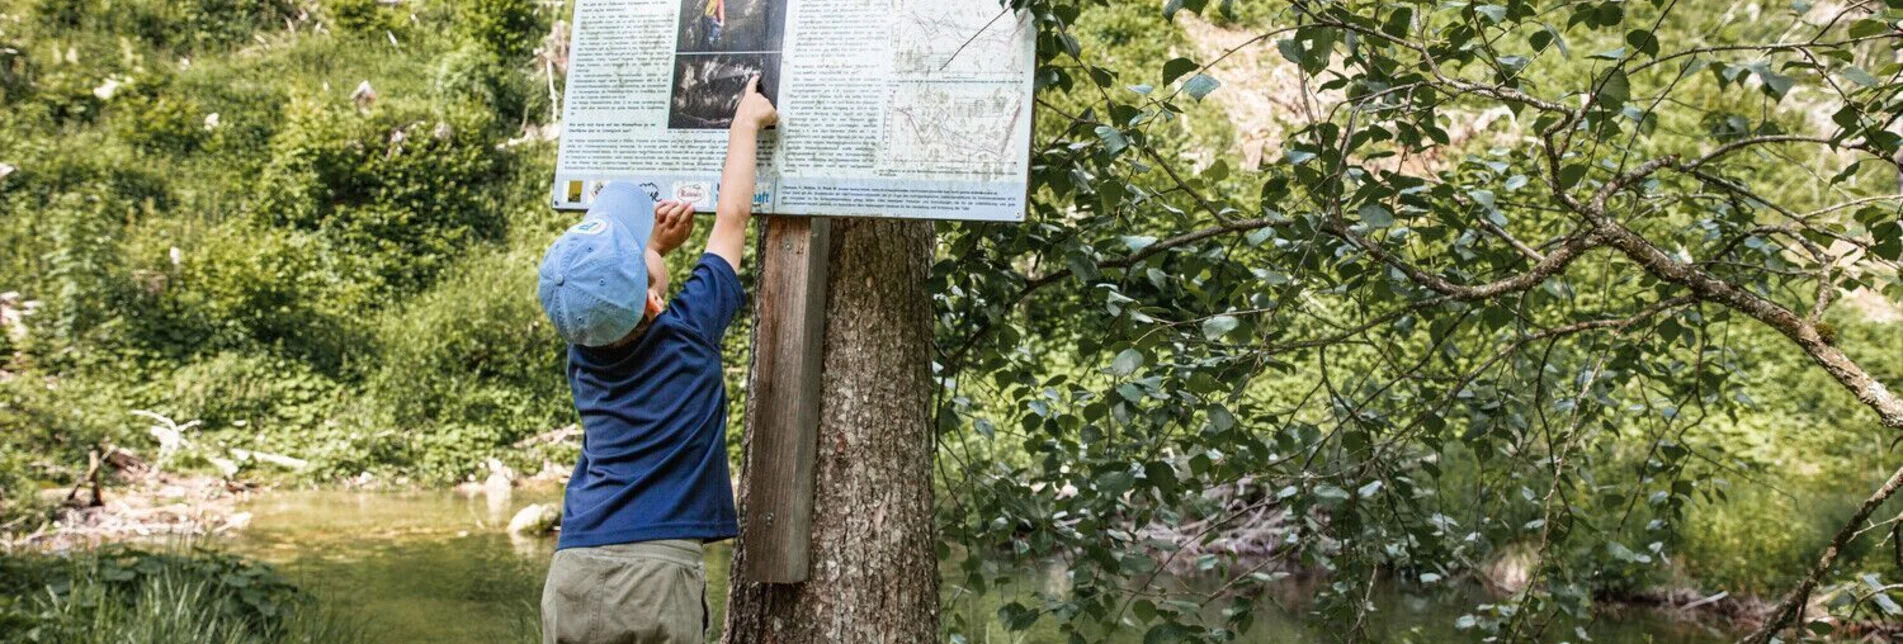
<point>954,129</point>
<point>889,108</point>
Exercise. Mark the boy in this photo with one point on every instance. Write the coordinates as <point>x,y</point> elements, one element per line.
<point>651,485</point>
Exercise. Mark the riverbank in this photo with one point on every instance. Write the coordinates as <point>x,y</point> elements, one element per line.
<point>411,560</point>
<point>123,500</point>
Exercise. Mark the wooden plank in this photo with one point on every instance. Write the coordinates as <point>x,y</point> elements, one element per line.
<point>783,401</point>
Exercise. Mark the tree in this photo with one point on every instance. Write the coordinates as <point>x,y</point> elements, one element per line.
<point>874,564</point>
<point>1412,343</point>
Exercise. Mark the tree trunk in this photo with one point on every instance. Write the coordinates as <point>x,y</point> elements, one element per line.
<point>874,574</point>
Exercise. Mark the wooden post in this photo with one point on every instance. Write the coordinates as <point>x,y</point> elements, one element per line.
<point>783,399</point>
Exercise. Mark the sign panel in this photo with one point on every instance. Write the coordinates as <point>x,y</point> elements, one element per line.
<point>889,108</point>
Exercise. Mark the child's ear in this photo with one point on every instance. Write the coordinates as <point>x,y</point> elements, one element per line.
<point>655,303</point>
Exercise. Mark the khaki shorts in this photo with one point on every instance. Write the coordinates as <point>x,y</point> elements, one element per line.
<point>652,592</point>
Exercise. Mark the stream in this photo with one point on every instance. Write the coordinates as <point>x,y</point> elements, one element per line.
<point>436,566</point>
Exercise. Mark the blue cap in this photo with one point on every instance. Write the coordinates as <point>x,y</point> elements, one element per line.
<point>594,278</point>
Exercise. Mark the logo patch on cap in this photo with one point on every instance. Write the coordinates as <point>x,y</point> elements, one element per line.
<point>590,227</point>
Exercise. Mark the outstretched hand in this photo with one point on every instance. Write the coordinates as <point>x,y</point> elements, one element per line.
<point>755,111</point>
<point>673,223</point>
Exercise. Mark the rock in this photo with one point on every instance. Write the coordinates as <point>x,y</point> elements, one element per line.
<point>56,496</point>
<point>1509,569</point>
<point>364,96</point>
<point>539,518</point>
<point>106,90</point>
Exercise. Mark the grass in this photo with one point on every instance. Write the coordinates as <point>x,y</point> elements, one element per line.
<point>120,595</point>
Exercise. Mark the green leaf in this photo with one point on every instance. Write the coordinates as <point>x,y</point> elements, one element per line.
<point>1889,240</point>
<point>1016,617</point>
<point>1310,49</point>
<point>1867,27</point>
<point>1493,12</point>
<point>1369,490</point>
<point>1330,493</point>
<point>1115,483</point>
<point>1540,40</point>
<point>1216,327</point>
<point>1200,85</point>
<point>1643,42</point>
<point>1858,76</point>
<point>1776,85</point>
<point>1113,140</point>
<point>1376,215</point>
<point>1176,68</point>
<point>1126,362</point>
<point>1614,90</point>
<point>1848,172</point>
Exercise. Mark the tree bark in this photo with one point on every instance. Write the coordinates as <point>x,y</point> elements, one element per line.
<point>874,575</point>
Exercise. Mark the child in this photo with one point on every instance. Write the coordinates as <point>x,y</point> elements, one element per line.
<point>651,485</point>
<point>713,18</point>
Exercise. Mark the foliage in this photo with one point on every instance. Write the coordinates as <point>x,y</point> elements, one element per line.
<point>217,231</point>
<point>479,385</point>
<point>480,77</point>
<point>1514,279</point>
<point>399,189</point>
<point>119,594</point>
<point>1417,341</point>
<point>506,28</point>
<point>365,17</point>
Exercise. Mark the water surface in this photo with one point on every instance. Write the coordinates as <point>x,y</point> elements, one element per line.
<point>437,566</point>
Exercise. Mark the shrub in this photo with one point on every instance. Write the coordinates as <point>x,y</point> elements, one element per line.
<point>369,17</point>
<point>474,361</point>
<point>475,75</point>
<point>508,28</point>
<point>85,280</point>
<point>161,122</point>
<point>172,25</point>
<point>251,389</point>
<point>51,427</point>
<point>251,288</point>
<point>401,188</point>
<point>13,73</point>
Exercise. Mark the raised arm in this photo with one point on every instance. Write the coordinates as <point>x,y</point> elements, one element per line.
<point>755,113</point>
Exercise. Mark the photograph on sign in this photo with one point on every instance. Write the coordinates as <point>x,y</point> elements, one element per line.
<point>905,108</point>
<point>707,87</point>
<point>734,26</point>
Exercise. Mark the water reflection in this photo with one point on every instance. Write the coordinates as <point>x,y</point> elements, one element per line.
<point>438,566</point>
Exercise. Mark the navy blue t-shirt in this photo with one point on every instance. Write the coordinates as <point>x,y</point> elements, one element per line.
<point>654,425</point>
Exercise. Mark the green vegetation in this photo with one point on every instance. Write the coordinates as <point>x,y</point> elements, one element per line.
<point>128,595</point>
<point>218,225</point>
